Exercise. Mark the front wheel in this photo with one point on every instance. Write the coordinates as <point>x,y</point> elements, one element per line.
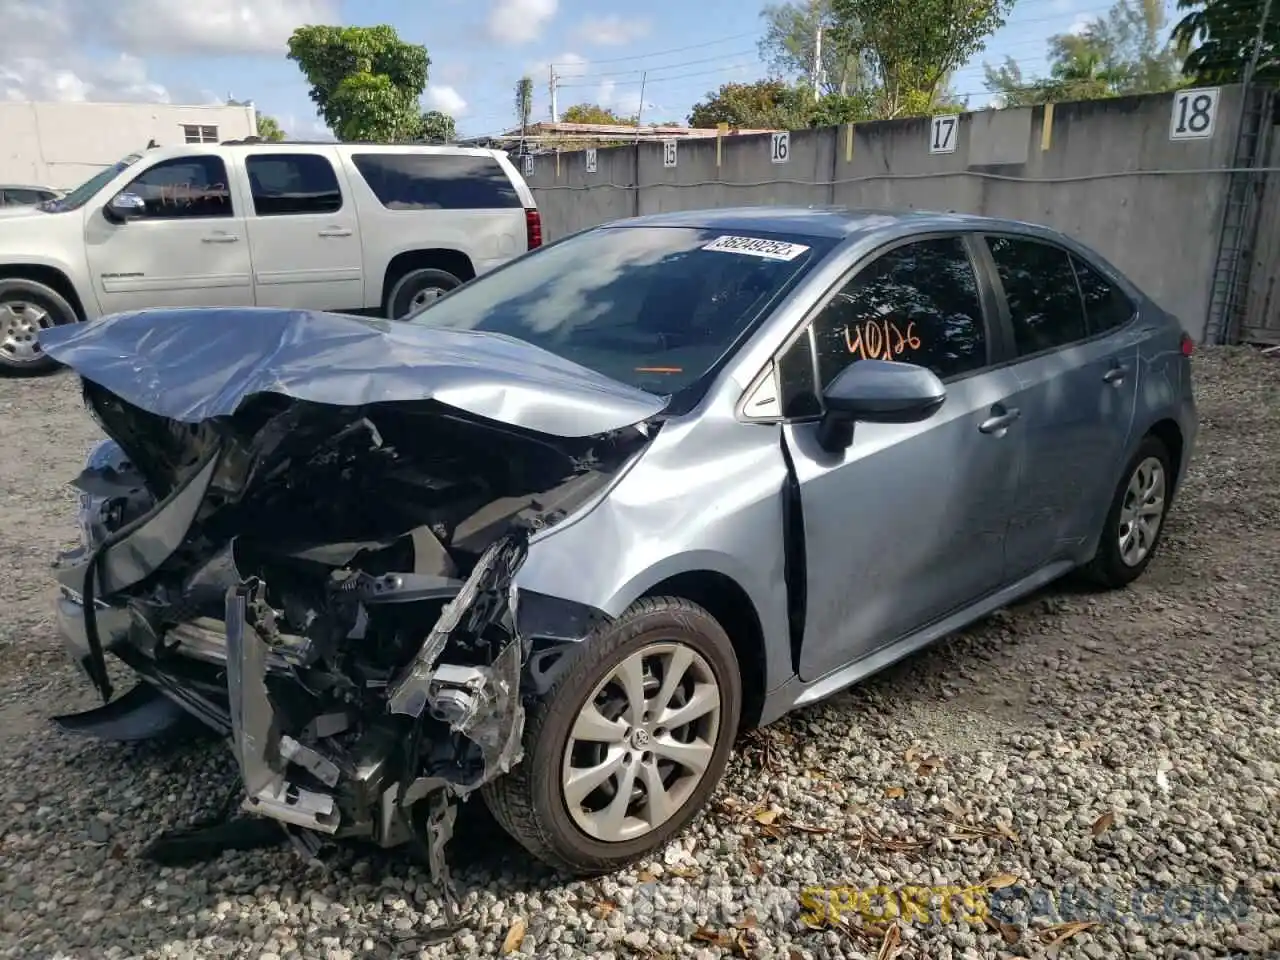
<point>26,308</point>
<point>628,745</point>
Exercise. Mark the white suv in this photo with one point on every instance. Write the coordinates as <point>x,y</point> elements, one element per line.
<point>344,227</point>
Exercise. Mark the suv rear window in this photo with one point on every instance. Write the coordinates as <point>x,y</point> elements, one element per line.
<point>425,181</point>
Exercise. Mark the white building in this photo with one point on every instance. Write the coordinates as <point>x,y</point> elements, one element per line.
<point>63,144</point>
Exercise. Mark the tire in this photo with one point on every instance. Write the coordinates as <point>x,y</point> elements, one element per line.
<point>530,802</point>
<point>413,291</point>
<point>1110,568</point>
<point>25,308</point>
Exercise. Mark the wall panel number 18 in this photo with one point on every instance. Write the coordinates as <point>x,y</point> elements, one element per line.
<point>1194,112</point>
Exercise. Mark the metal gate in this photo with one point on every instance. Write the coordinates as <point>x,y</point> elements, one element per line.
<point>1261,320</point>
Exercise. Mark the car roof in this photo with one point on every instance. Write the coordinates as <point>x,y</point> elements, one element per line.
<point>27,186</point>
<point>187,149</point>
<point>831,222</point>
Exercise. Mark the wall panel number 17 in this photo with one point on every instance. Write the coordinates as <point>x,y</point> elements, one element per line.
<point>942,134</point>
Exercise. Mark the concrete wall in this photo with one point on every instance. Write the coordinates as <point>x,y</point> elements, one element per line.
<point>63,144</point>
<point>1106,172</point>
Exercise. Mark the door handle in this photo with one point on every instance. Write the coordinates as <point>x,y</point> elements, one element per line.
<point>335,232</point>
<point>220,238</point>
<point>998,422</point>
<point>1116,374</point>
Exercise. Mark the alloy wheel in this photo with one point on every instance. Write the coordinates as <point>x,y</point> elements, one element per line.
<point>20,324</point>
<point>1142,511</point>
<point>641,743</point>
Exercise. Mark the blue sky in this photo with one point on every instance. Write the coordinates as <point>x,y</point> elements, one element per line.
<point>200,52</point>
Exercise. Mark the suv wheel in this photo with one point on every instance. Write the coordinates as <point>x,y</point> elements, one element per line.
<point>1136,518</point>
<point>417,289</point>
<point>628,744</point>
<point>26,308</point>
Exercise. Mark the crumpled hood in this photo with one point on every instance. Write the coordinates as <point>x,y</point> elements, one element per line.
<point>194,364</point>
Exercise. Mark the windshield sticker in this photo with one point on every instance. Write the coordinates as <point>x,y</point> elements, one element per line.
<point>755,247</point>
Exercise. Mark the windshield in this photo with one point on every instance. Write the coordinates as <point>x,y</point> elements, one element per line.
<point>82,194</point>
<point>652,307</point>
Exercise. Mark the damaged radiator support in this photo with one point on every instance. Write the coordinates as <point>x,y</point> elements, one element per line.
<point>481,703</point>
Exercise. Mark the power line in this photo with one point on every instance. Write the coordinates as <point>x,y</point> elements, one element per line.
<point>661,53</point>
<point>652,80</point>
<point>665,66</point>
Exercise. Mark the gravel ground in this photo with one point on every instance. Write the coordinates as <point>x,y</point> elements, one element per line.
<point>1109,758</point>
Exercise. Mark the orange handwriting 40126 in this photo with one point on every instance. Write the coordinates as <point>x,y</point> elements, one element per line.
<point>880,339</point>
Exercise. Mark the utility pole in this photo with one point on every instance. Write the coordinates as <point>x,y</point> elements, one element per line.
<point>817,63</point>
<point>640,109</point>
<point>551,88</point>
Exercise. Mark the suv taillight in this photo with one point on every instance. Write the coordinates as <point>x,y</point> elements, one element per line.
<point>1188,345</point>
<point>533,225</point>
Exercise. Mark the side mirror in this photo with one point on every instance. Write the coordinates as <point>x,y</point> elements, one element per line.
<point>877,391</point>
<point>124,207</point>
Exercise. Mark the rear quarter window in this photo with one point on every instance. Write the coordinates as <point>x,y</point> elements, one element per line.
<point>422,181</point>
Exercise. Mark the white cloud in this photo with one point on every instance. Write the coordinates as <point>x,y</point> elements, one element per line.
<point>1080,25</point>
<point>52,44</point>
<point>624,101</point>
<point>149,26</point>
<point>70,78</point>
<point>612,31</point>
<point>520,21</point>
<point>446,100</point>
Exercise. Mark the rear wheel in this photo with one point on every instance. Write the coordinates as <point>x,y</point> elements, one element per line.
<point>26,308</point>
<point>627,746</point>
<point>417,290</point>
<point>1136,518</point>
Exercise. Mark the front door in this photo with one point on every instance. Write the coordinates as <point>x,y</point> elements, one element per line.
<point>1078,386</point>
<point>303,231</point>
<point>908,524</point>
<point>188,249</point>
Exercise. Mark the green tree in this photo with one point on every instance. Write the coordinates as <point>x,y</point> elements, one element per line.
<point>765,104</point>
<point>524,102</point>
<point>914,48</point>
<point>365,81</point>
<point>1124,52</point>
<point>438,126</point>
<point>790,43</point>
<point>592,113</point>
<point>269,129</point>
<point>1220,38</point>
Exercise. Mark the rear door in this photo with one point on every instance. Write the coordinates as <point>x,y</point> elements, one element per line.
<point>1078,374</point>
<point>303,230</point>
<point>907,524</point>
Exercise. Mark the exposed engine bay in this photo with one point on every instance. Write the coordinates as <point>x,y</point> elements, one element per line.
<point>331,588</point>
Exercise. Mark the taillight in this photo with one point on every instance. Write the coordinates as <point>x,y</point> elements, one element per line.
<point>1188,345</point>
<point>533,226</point>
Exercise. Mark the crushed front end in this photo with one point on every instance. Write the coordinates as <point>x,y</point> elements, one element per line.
<point>332,589</point>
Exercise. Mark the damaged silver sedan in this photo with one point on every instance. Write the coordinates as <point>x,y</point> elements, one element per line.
<point>556,537</point>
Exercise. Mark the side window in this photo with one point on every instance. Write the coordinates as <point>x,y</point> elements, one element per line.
<point>1106,306</point>
<point>437,181</point>
<point>1040,287</point>
<point>285,184</point>
<point>918,303</point>
<point>795,380</point>
<point>184,188</point>
<point>24,197</point>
